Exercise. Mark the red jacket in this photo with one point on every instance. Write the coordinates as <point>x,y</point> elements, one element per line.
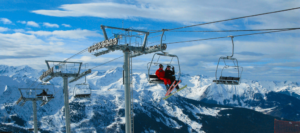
<point>160,73</point>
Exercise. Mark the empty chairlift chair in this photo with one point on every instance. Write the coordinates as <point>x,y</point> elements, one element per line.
<point>229,80</point>
<point>152,77</point>
<point>82,91</point>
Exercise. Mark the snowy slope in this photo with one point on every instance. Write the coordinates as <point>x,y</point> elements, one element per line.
<point>104,112</point>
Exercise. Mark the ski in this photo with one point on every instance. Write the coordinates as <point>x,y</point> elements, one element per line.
<point>175,92</point>
<point>168,92</point>
<point>172,87</point>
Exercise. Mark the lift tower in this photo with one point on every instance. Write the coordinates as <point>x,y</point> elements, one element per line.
<point>34,95</point>
<point>129,51</point>
<point>65,70</point>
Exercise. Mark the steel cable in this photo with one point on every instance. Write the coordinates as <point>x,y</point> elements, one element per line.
<point>107,62</point>
<point>240,30</point>
<point>235,18</point>
<point>229,36</point>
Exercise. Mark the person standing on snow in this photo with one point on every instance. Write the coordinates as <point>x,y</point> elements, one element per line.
<point>171,75</point>
<point>160,73</point>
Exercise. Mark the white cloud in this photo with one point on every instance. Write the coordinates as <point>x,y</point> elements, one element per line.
<point>22,22</point>
<point>21,45</point>
<point>5,21</point>
<point>56,43</point>
<point>24,49</point>
<point>285,64</point>
<point>53,38</point>
<point>66,25</point>
<point>32,23</point>
<point>19,30</point>
<point>46,24</point>
<point>71,34</point>
<point>183,11</point>
<point>3,29</point>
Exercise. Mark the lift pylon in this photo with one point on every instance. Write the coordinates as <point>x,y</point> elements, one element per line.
<point>129,52</point>
<point>34,95</point>
<point>65,70</point>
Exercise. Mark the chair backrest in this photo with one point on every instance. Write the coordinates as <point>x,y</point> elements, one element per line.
<point>154,79</point>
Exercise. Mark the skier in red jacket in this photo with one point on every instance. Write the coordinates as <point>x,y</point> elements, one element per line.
<point>160,73</point>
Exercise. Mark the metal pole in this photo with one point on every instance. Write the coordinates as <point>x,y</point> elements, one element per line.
<point>67,108</point>
<point>34,117</point>
<point>126,68</point>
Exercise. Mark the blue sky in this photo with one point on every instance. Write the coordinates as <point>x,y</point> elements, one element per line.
<point>34,31</point>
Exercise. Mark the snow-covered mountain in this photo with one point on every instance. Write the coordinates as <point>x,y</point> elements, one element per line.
<point>199,108</point>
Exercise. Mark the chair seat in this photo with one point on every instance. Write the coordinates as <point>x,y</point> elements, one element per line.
<point>31,129</point>
<point>229,78</point>
<point>153,76</point>
<point>82,95</point>
<point>154,79</point>
<point>48,96</point>
<point>227,82</point>
<point>44,95</point>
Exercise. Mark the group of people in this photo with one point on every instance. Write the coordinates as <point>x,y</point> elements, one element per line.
<point>166,75</point>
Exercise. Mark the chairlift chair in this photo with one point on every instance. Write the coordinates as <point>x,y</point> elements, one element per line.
<point>229,80</point>
<point>152,77</point>
<point>82,91</point>
<point>47,88</point>
<point>38,93</point>
<point>46,95</point>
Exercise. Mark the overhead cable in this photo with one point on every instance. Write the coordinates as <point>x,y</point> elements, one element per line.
<point>240,30</point>
<point>230,19</point>
<point>107,62</point>
<point>229,36</point>
<point>82,51</point>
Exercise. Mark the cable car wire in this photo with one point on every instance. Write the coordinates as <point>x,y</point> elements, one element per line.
<point>82,51</point>
<point>205,24</point>
<point>107,62</point>
<point>229,36</point>
<point>240,30</point>
<point>235,18</point>
<point>229,19</point>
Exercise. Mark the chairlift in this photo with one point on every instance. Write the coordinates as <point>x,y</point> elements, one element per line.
<point>82,90</point>
<point>47,90</point>
<point>229,80</point>
<point>152,77</point>
<point>44,92</point>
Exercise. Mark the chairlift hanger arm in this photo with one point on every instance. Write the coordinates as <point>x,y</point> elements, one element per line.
<point>232,45</point>
<point>161,39</point>
<point>79,68</point>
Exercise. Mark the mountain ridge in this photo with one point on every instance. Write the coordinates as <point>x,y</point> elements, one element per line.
<point>107,102</point>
